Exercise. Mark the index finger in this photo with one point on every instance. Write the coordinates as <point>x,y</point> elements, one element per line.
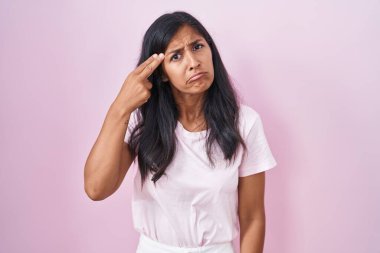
<point>144,64</point>
<point>151,66</point>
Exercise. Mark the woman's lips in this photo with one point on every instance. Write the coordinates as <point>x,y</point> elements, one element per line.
<point>196,77</point>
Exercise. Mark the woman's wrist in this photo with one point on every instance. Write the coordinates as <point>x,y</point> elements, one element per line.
<point>120,110</point>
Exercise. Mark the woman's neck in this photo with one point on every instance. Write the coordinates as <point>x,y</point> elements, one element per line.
<point>190,107</point>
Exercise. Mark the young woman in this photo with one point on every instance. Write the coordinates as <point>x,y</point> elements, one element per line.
<point>202,155</point>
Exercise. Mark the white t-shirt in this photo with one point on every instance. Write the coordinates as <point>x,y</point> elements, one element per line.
<point>195,204</point>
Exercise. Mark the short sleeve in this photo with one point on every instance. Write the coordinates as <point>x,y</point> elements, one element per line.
<point>258,157</point>
<point>131,125</point>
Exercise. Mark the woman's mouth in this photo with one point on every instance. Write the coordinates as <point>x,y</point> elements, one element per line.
<point>196,77</point>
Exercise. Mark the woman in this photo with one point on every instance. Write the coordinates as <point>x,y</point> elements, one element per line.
<point>203,152</point>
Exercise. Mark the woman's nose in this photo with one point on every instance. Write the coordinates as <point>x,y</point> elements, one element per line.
<point>192,60</point>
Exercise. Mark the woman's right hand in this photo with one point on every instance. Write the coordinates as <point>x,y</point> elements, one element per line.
<point>136,87</point>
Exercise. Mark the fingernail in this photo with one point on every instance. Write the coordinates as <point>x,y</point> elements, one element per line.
<point>161,55</point>
<point>155,56</point>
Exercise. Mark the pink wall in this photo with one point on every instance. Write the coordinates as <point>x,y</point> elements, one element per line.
<point>310,68</point>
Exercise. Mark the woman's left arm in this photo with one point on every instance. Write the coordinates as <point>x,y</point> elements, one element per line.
<point>252,213</point>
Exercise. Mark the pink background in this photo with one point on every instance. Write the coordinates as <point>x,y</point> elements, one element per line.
<point>310,68</point>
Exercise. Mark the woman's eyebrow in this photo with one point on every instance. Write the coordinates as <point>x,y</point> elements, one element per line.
<point>179,49</point>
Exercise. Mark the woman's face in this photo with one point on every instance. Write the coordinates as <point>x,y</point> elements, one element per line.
<point>187,54</point>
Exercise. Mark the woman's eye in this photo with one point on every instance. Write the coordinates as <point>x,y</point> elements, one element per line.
<point>199,45</point>
<point>173,57</point>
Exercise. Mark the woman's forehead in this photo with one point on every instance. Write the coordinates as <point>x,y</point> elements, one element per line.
<point>184,36</point>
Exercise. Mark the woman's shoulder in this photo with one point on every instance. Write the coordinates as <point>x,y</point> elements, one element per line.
<point>248,115</point>
<point>134,117</point>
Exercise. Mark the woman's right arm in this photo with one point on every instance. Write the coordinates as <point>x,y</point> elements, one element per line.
<point>110,157</point>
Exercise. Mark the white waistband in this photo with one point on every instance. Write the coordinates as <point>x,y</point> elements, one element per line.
<point>148,245</point>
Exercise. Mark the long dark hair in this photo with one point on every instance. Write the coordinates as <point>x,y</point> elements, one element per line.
<point>153,138</point>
